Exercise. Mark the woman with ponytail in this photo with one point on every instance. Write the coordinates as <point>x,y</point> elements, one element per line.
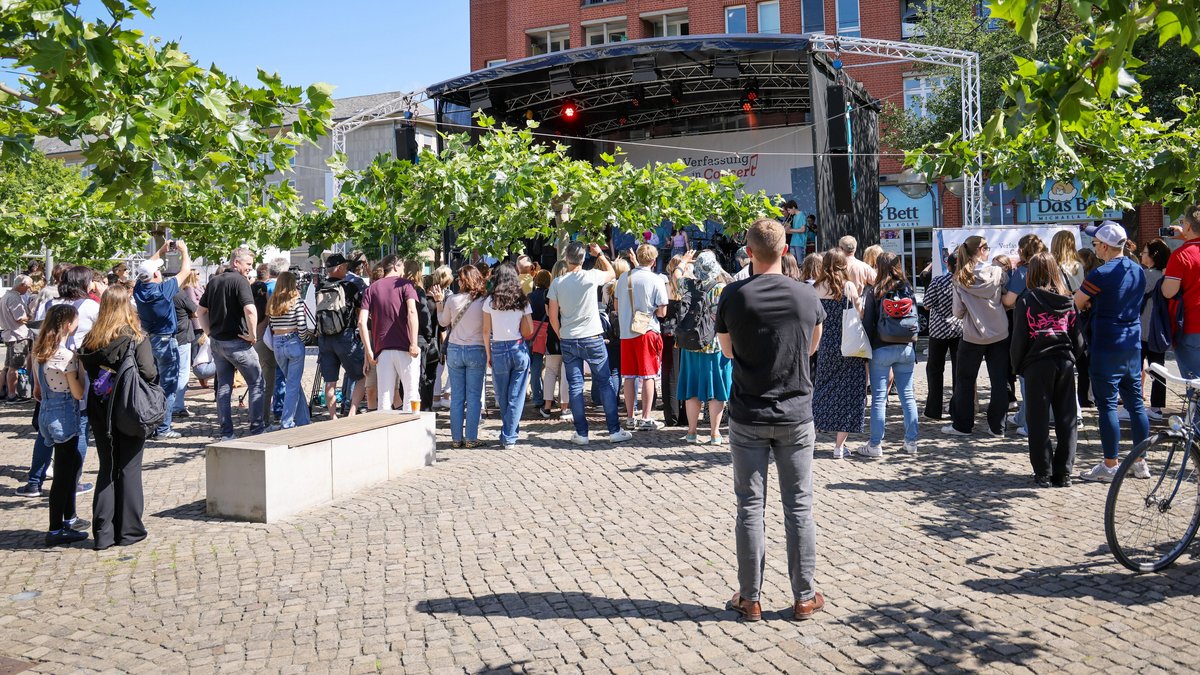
<point>977,291</point>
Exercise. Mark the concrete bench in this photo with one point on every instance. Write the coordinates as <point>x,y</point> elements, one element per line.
<point>271,476</point>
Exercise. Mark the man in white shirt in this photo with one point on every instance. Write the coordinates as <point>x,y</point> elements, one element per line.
<point>575,317</point>
<point>14,314</point>
<point>641,291</point>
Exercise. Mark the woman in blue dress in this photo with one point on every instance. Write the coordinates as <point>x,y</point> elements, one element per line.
<point>839,383</point>
<point>705,375</point>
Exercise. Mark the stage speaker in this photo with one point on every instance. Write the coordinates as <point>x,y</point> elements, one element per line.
<point>406,143</point>
<point>839,149</point>
<point>835,97</point>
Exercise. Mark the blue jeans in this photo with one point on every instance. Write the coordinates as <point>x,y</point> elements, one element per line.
<point>1112,373</point>
<point>166,358</point>
<point>899,360</point>
<point>277,396</point>
<point>468,366</point>
<point>537,363</point>
<point>185,374</point>
<point>230,355</point>
<point>1187,355</point>
<point>510,373</point>
<point>592,350</point>
<point>289,355</point>
<point>43,452</point>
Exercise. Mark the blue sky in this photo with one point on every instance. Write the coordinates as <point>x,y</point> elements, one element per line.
<point>361,46</point>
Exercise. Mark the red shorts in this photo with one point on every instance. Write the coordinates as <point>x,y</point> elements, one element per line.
<point>642,356</point>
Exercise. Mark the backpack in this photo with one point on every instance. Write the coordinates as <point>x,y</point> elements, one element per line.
<point>333,310</point>
<point>697,326</point>
<point>135,407</point>
<point>898,322</point>
<point>1162,327</point>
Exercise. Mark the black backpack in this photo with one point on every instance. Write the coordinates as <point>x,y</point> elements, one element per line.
<point>697,321</point>
<point>333,308</point>
<point>898,322</point>
<point>135,407</point>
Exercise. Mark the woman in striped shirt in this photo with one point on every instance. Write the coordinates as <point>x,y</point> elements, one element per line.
<point>289,326</point>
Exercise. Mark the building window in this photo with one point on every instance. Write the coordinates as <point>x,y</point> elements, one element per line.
<point>604,33</point>
<point>547,40</point>
<point>768,17</point>
<point>918,91</point>
<point>910,14</point>
<point>813,16</point>
<point>589,3</point>
<point>496,62</point>
<point>666,24</point>
<point>735,19</point>
<point>847,18</point>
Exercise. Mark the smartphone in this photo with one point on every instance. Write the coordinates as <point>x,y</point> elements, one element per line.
<point>171,246</point>
<point>1166,232</point>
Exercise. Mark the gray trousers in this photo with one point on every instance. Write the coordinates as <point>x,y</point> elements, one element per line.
<point>751,449</point>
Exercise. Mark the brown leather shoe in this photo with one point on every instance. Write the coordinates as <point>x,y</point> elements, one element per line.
<point>804,609</point>
<point>749,611</point>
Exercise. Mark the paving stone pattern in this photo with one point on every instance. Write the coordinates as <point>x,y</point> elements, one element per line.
<point>553,558</point>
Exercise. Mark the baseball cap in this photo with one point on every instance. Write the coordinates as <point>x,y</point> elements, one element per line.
<point>1107,232</point>
<point>335,260</point>
<point>147,268</point>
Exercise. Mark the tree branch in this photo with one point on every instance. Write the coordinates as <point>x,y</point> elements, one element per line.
<point>28,99</point>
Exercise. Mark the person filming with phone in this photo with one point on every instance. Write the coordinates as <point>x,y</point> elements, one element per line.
<point>1181,283</point>
<point>155,298</point>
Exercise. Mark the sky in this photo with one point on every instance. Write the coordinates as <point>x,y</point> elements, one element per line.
<point>361,46</point>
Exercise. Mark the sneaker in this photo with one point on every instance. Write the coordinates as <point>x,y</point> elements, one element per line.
<point>168,435</point>
<point>579,440</point>
<point>717,440</point>
<point>541,411</point>
<point>949,430</point>
<point>1012,420</point>
<point>870,451</point>
<point>620,437</point>
<point>1154,414</point>
<point>995,434</point>
<point>227,438</point>
<point>84,488</point>
<point>567,417</point>
<point>690,439</point>
<point>1022,431</point>
<point>1141,469</point>
<point>1099,473</point>
<point>649,425</point>
<point>78,524</point>
<point>182,414</point>
<point>629,423</point>
<point>50,473</point>
<point>510,446</point>
<point>64,536</point>
<point>29,491</point>
<point>839,451</point>
<point>910,447</point>
<point>1041,481</point>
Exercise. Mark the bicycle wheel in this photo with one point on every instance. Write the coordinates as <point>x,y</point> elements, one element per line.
<point>1149,523</point>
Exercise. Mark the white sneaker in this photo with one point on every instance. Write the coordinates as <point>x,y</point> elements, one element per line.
<point>1099,473</point>
<point>620,437</point>
<point>1141,469</point>
<point>629,423</point>
<point>949,430</point>
<point>868,450</point>
<point>1012,420</point>
<point>1154,414</point>
<point>649,425</point>
<point>567,417</point>
<point>579,440</point>
<point>839,451</point>
<point>910,447</point>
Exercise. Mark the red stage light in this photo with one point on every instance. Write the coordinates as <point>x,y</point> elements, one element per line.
<point>747,106</point>
<point>752,95</point>
<point>569,111</point>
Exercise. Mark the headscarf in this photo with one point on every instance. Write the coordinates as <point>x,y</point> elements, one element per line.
<point>706,268</point>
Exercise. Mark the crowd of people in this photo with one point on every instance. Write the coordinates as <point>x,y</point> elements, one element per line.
<point>786,347</point>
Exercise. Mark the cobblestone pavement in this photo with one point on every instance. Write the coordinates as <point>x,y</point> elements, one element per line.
<point>551,557</point>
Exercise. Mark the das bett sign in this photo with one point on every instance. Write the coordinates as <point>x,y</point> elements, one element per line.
<point>898,210</point>
<point>1060,201</point>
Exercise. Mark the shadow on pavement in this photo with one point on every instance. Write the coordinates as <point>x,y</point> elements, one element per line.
<point>33,540</point>
<point>194,511</point>
<point>683,461</point>
<point>938,638</point>
<point>572,605</point>
<point>1083,581</point>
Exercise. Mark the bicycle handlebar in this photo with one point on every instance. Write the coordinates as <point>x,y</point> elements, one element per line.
<point>1162,372</point>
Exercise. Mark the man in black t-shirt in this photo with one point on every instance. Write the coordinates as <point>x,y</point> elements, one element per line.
<point>769,325</point>
<point>230,320</point>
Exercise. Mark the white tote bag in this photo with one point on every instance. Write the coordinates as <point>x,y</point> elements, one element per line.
<point>854,337</point>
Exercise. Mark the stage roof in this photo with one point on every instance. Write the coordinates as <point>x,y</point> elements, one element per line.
<point>675,85</point>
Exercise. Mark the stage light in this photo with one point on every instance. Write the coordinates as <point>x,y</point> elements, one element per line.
<point>644,69</point>
<point>676,93</point>
<point>747,106</point>
<point>636,96</point>
<point>750,93</point>
<point>569,110</point>
<point>726,69</point>
<point>561,82</point>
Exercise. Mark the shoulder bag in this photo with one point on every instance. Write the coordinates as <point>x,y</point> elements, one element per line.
<point>855,344</point>
<point>639,321</point>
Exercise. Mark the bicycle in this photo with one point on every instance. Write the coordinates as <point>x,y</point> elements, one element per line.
<point>1150,523</point>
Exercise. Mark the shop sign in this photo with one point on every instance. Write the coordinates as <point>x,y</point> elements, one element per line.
<point>1060,201</point>
<point>898,210</point>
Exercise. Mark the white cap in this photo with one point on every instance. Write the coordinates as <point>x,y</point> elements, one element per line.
<point>1107,232</point>
<point>148,267</point>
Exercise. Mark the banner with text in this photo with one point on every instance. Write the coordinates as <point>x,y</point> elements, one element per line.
<point>1001,240</point>
<point>899,210</point>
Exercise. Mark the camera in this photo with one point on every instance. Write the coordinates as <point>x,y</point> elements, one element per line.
<point>1166,232</point>
<point>172,246</point>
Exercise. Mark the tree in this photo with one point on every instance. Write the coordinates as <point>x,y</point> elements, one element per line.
<point>162,134</point>
<point>958,24</point>
<point>1080,112</point>
<point>507,186</point>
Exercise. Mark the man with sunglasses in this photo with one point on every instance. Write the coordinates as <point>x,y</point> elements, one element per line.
<point>1114,294</point>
